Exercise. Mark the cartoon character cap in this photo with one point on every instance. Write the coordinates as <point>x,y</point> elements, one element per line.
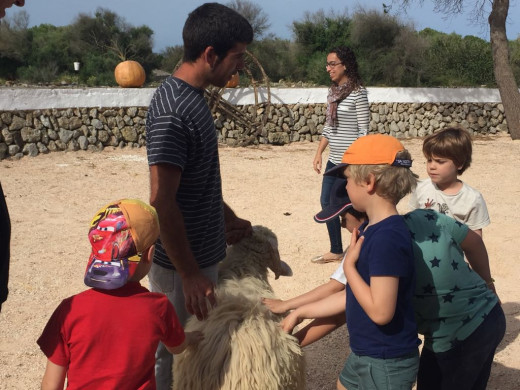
<point>119,233</point>
<point>373,149</point>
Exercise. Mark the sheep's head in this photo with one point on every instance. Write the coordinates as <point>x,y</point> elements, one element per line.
<point>268,244</point>
<point>264,245</point>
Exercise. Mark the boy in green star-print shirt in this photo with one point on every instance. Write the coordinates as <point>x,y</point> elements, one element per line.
<point>456,307</point>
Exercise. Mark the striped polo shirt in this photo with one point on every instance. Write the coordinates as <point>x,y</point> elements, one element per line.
<point>180,131</point>
<point>353,122</point>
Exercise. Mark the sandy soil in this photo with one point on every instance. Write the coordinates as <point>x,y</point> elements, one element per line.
<point>52,197</point>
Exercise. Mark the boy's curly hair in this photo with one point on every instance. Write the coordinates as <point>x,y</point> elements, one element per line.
<point>391,182</point>
<point>453,143</point>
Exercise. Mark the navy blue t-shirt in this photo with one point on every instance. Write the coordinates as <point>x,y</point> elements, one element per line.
<point>387,251</point>
<point>180,131</point>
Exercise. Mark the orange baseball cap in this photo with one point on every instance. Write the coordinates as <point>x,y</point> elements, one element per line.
<point>373,149</point>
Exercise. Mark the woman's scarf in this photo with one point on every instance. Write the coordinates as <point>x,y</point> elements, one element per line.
<point>336,94</point>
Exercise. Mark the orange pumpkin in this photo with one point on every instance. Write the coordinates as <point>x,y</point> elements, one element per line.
<point>129,74</point>
<point>233,81</point>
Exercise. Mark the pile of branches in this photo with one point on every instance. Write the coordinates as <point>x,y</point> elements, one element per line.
<point>252,122</point>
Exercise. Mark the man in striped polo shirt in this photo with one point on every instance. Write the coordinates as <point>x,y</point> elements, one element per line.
<point>182,149</point>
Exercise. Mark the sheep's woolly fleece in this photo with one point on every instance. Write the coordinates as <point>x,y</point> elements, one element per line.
<point>243,348</point>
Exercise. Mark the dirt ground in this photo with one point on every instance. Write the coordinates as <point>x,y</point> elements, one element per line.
<point>51,199</point>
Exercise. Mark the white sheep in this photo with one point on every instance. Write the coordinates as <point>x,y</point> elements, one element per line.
<point>244,347</point>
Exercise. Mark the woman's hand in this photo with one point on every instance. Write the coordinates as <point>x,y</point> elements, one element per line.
<point>316,164</point>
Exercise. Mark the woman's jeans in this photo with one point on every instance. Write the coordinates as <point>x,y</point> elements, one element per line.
<point>334,225</point>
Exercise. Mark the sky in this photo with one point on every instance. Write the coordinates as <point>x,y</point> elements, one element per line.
<point>166,17</point>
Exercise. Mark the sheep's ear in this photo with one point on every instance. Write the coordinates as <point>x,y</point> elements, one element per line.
<point>286,269</point>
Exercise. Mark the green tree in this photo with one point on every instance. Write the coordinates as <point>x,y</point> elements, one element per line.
<point>315,35</point>
<point>49,55</point>
<point>106,39</point>
<point>453,60</point>
<point>15,43</point>
<point>277,56</point>
<point>254,14</point>
<point>388,51</point>
<point>170,57</point>
<point>502,67</point>
<point>515,57</point>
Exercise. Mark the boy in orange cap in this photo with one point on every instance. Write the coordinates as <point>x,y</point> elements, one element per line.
<point>106,337</point>
<point>379,267</point>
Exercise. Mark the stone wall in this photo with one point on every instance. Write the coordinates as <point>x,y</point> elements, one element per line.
<point>31,132</point>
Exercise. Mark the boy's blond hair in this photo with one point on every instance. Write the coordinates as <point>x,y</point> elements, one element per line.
<point>453,143</point>
<point>391,182</point>
<point>384,157</point>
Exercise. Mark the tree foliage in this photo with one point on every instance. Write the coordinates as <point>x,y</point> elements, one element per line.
<point>457,61</point>
<point>44,53</point>
<point>14,44</point>
<point>170,57</point>
<point>254,14</point>
<point>515,57</point>
<point>277,57</point>
<point>503,69</point>
<point>315,35</point>
<point>389,51</point>
<point>102,41</point>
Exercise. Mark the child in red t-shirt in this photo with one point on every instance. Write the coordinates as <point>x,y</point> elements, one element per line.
<point>106,337</point>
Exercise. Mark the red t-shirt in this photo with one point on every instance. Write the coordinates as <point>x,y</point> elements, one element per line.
<point>107,338</point>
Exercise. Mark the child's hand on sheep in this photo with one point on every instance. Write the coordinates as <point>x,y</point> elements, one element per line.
<point>190,339</point>
<point>290,322</point>
<point>193,338</point>
<point>277,306</point>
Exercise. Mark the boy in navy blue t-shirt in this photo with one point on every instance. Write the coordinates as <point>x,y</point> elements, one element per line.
<point>379,267</point>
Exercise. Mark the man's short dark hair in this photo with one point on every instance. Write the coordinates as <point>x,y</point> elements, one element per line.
<point>214,24</point>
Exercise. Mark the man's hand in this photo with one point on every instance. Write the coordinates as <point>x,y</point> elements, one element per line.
<point>237,229</point>
<point>198,293</point>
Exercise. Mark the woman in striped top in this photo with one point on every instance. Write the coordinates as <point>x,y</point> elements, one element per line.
<point>348,117</point>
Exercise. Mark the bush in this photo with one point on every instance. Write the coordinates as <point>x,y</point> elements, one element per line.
<point>39,74</point>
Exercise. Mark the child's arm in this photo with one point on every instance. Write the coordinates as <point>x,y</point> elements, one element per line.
<point>54,377</point>
<point>379,298</point>
<point>477,256</point>
<point>327,307</point>
<point>320,292</point>
<point>319,328</point>
<point>479,232</point>
<point>191,338</point>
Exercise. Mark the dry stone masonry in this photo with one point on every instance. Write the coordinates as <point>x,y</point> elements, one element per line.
<point>31,132</point>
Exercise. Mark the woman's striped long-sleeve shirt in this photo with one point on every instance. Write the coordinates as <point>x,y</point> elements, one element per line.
<point>353,122</point>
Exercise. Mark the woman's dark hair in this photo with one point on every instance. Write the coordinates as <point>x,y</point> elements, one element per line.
<point>347,57</point>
